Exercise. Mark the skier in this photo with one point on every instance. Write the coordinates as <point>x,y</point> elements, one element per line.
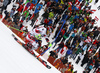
<point>39,30</point>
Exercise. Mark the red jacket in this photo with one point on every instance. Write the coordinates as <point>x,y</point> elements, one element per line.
<point>98,70</point>
<point>21,7</point>
<point>46,21</point>
<point>63,32</point>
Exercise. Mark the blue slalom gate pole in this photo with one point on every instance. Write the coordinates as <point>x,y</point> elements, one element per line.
<point>59,31</point>
<point>56,36</point>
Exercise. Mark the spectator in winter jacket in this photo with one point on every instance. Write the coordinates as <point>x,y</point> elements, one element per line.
<point>65,16</point>
<point>19,1</point>
<point>45,22</point>
<point>25,22</point>
<point>71,27</point>
<point>51,15</point>
<point>31,12</point>
<point>34,2</point>
<point>69,70</point>
<point>98,70</point>
<point>26,13</point>
<point>79,50</point>
<point>57,40</point>
<point>97,64</point>
<point>72,36</point>
<point>7,15</point>
<point>58,28</point>
<point>69,51</point>
<point>38,7</point>
<point>91,65</point>
<point>50,22</point>
<point>12,12</point>
<point>60,46</point>
<point>64,60</point>
<point>27,5</point>
<point>65,36</point>
<point>20,8</point>
<point>16,17</point>
<point>45,16</point>
<point>57,20</point>
<point>17,26</point>
<point>80,57</point>
<point>53,55</point>
<point>96,33</point>
<point>5,4</point>
<point>23,18</point>
<point>36,15</point>
<point>85,59</point>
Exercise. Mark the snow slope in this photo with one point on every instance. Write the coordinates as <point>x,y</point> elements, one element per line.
<point>15,59</point>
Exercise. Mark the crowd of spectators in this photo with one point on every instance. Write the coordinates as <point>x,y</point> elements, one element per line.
<point>74,28</point>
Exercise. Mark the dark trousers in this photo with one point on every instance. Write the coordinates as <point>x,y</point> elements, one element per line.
<point>83,63</point>
<point>78,59</point>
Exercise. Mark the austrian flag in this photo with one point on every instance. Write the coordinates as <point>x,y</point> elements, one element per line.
<point>96,18</point>
<point>88,40</point>
<point>91,11</point>
<point>70,3</point>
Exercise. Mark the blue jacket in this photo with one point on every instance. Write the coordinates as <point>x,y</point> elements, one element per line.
<point>80,0</point>
<point>73,7</point>
<point>76,17</point>
<point>69,51</point>
<point>73,35</point>
<point>56,1</point>
<point>37,6</point>
<point>50,22</point>
<point>71,27</point>
<point>64,16</point>
<point>34,1</point>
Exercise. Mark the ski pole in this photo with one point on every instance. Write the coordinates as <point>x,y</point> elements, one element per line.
<point>16,29</point>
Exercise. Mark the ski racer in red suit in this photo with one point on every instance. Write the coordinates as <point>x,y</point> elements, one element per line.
<point>34,36</point>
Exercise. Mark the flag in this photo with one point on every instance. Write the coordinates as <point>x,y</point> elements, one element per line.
<point>63,50</point>
<point>77,2</point>
<point>70,3</point>
<point>88,40</point>
<point>91,11</point>
<point>96,18</point>
<point>78,7</point>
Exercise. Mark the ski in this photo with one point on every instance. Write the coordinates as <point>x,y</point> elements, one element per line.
<point>37,57</point>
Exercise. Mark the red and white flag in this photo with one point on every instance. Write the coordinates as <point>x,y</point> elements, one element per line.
<point>78,6</point>
<point>70,3</point>
<point>88,40</point>
<point>96,18</point>
<point>77,2</point>
<point>91,11</point>
<point>63,50</point>
<point>36,21</point>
